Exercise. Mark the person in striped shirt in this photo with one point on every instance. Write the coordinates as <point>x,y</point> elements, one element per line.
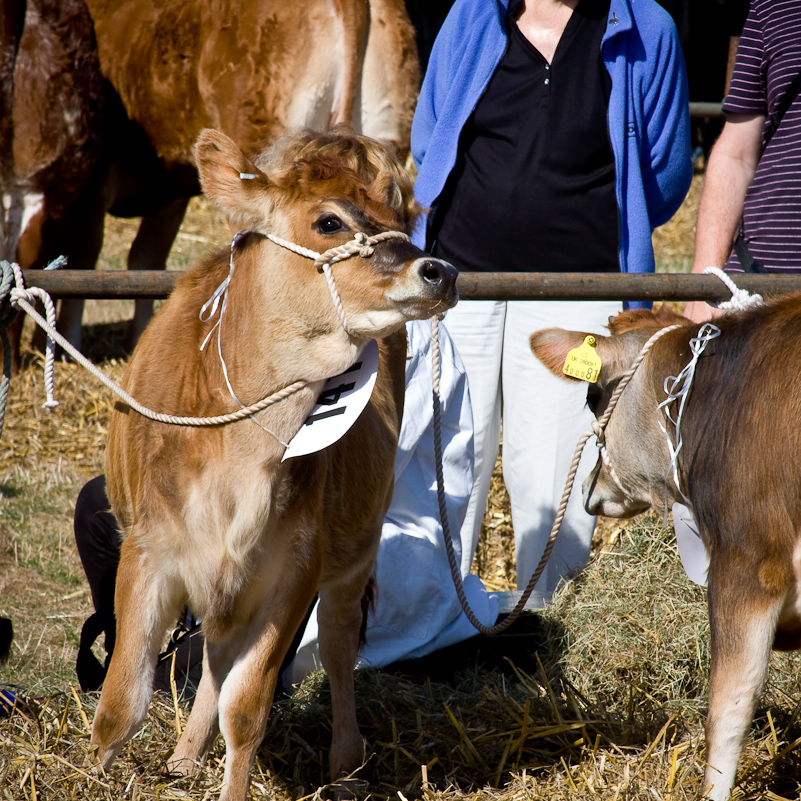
<point>754,170</point>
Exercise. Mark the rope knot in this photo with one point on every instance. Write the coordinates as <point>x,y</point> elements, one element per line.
<point>740,298</point>
<point>599,432</point>
<point>366,250</point>
<point>20,293</point>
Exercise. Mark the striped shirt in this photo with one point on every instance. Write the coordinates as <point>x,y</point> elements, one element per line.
<point>768,59</point>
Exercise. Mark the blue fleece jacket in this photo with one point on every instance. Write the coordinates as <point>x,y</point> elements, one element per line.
<point>649,119</point>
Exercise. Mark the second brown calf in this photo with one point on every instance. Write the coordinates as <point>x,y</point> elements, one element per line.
<point>739,468</point>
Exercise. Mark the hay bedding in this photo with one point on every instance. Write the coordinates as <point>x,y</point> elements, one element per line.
<point>610,706</point>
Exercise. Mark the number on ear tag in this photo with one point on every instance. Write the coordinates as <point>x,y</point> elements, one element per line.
<point>583,362</point>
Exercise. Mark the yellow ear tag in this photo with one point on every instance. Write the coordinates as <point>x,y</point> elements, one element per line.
<point>583,362</point>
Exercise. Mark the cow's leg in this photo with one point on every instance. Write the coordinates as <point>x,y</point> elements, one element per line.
<point>743,613</point>
<point>390,76</point>
<point>144,606</point>
<point>339,619</point>
<point>247,691</point>
<point>81,243</point>
<point>203,725</point>
<point>149,251</point>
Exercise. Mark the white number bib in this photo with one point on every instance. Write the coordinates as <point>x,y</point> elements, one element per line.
<point>340,403</point>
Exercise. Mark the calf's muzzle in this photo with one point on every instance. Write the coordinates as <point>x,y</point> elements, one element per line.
<point>438,274</point>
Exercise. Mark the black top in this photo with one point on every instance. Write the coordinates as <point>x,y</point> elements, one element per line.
<point>533,188</point>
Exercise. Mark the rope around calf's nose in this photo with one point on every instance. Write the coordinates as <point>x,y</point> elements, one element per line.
<point>600,438</point>
<point>361,245</point>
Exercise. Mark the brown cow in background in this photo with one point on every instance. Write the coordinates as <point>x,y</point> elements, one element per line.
<point>739,467</point>
<point>53,118</point>
<point>157,74</point>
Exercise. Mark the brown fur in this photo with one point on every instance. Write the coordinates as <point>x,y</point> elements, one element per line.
<point>738,466</point>
<point>52,111</point>
<point>240,66</point>
<point>53,74</point>
<point>159,73</point>
<point>211,517</point>
<point>632,319</point>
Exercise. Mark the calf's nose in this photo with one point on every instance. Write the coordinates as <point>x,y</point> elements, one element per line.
<point>439,274</point>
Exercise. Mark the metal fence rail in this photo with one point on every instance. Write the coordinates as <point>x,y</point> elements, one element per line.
<point>111,284</point>
<point>701,109</point>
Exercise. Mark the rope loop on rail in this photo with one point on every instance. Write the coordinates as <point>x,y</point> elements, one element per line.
<point>7,315</point>
<point>740,298</point>
<point>14,293</point>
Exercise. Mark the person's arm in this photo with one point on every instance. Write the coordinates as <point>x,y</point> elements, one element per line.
<point>731,167</point>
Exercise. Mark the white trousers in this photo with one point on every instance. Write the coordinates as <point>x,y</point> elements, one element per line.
<point>543,418</point>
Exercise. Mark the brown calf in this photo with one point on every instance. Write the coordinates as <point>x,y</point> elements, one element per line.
<point>737,465</point>
<point>211,517</point>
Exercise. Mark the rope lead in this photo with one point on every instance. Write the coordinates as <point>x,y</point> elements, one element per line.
<point>12,288</point>
<point>596,428</point>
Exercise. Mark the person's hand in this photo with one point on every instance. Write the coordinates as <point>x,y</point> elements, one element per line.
<point>700,312</point>
<point>697,310</point>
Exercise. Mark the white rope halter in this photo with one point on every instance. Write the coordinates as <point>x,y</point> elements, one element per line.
<point>361,245</point>
<point>677,388</point>
<point>219,299</point>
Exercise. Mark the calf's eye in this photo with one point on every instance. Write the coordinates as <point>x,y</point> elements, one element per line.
<point>330,225</point>
<point>594,396</point>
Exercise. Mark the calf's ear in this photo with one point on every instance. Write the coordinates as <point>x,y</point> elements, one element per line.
<point>230,180</point>
<point>551,346</point>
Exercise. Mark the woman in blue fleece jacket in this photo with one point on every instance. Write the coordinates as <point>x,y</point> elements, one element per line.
<point>550,135</point>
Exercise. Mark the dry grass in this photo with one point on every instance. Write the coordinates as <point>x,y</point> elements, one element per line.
<point>603,697</point>
<point>674,242</point>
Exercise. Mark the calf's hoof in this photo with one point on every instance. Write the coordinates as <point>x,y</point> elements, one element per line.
<point>182,767</point>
